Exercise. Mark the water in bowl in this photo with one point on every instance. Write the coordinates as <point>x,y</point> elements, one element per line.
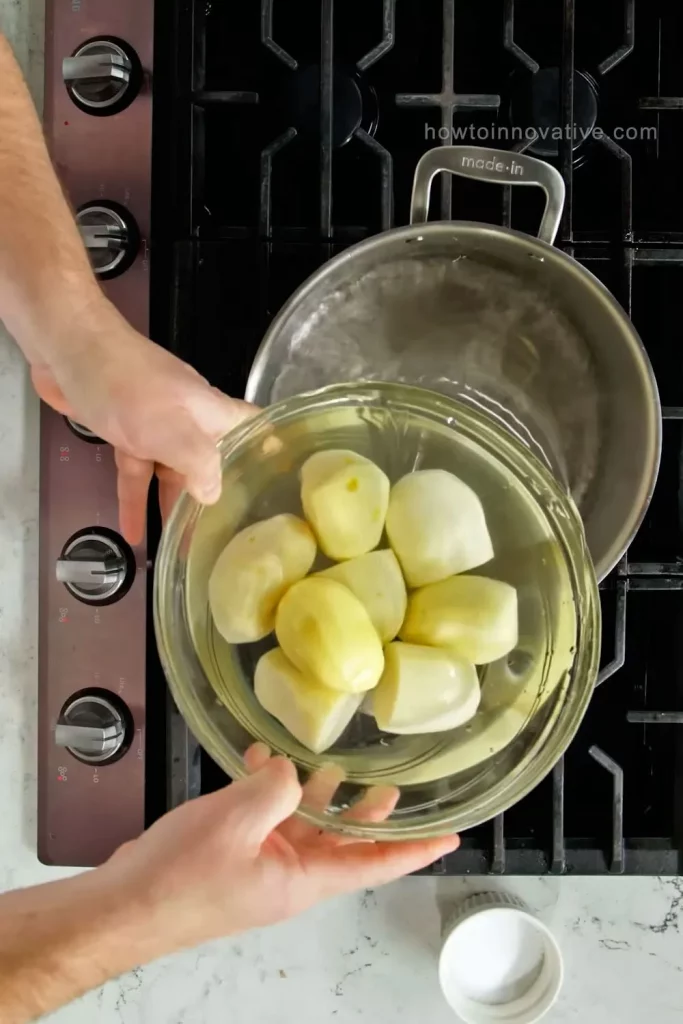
<point>519,693</point>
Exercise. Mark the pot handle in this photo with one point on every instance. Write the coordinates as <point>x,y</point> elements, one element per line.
<point>498,166</point>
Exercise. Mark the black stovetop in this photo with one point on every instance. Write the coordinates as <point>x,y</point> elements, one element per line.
<point>286,130</point>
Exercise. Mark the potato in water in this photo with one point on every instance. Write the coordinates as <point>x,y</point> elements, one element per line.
<point>436,527</point>
<point>424,689</point>
<point>474,616</point>
<point>315,715</point>
<point>254,571</point>
<point>377,582</point>
<point>326,632</point>
<point>344,498</point>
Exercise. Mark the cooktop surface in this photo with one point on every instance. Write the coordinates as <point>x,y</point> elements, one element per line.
<point>284,133</point>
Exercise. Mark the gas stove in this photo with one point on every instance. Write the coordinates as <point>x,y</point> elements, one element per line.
<point>217,154</point>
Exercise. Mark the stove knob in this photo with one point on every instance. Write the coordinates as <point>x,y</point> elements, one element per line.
<point>103,76</point>
<point>85,433</point>
<point>110,235</point>
<point>94,726</point>
<point>96,566</point>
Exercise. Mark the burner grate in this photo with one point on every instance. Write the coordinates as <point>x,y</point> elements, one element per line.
<point>448,101</point>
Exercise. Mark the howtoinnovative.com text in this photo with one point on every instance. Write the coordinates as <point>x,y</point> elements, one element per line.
<point>515,133</point>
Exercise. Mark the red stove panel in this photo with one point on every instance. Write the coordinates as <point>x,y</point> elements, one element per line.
<point>100,141</point>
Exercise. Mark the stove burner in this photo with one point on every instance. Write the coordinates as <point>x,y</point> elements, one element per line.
<point>536,105</point>
<point>355,104</point>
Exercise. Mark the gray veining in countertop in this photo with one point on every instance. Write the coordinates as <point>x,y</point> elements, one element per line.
<point>367,957</point>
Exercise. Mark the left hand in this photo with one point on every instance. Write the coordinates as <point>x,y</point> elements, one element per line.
<point>159,414</point>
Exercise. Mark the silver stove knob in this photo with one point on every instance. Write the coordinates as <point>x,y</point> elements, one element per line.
<point>103,76</point>
<point>85,433</point>
<point>93,727</point>
<point>110,235</point>
<point>96,567</point>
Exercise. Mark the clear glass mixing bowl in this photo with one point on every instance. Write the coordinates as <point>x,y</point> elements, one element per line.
<point>532,701</point>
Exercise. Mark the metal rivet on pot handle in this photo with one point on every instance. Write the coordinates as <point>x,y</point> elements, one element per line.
<point>497,166</point>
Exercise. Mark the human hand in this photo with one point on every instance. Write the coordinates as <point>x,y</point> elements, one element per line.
<point>238,859</point>
<point>156,411</point>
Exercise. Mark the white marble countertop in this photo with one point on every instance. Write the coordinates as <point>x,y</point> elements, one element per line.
<point>370,956</point>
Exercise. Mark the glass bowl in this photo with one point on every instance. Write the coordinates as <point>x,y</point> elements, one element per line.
<point>532,701</point>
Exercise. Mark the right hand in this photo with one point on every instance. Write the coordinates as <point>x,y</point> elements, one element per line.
<point>238,859</point>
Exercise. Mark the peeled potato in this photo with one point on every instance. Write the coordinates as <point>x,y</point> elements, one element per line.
<point>377,582</point>
<point>315,715</point>
<point>327,633</point>
<point>253,572</point>
<point>474,616</point>
<point>424,689</point>
<point>344,498</point>
<point>436,527</point>
<point>366,707</point>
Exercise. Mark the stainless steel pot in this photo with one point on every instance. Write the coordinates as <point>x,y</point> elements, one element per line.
<point>497,318</point>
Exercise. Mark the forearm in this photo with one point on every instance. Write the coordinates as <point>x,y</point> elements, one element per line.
<point>59,940</point>
<point>45,275</point>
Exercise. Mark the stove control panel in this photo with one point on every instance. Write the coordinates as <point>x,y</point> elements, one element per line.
<point>111,237</point>
<point>92,655</point>
<point>96,566</point>
<point>94,726</point>
<point>93,586</point>
<point>102,76</point>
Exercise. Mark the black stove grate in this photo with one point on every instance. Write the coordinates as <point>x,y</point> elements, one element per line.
<point>287,131</point>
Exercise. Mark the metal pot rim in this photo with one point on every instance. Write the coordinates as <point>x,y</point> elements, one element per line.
<point>538,249</point>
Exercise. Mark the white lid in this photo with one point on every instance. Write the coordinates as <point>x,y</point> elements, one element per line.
<point>499,964</point>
